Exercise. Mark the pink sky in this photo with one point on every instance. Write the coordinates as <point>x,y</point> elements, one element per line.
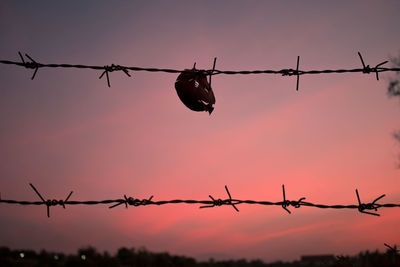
<point>67,130</point>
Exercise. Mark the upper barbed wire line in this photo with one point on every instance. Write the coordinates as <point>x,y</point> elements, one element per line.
<point>366,69</point>
<point>214,72</point>
<point>214,202</point>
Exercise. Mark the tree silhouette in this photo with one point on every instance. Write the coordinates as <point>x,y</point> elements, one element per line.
<point>394,84</point>
<point>126,257</point>
<point>393,90</point>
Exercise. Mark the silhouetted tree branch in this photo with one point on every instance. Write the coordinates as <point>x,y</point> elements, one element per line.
<point>393,90</point>
<point>396,136</point>
<point>394,84</point>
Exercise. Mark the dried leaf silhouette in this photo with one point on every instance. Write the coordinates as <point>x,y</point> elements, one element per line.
<point>194,91</point>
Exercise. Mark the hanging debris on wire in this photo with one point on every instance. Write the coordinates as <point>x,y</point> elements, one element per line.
<point>195,91</point>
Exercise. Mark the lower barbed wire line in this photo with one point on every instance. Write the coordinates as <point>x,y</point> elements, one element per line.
<point>184,201</point>
<point>92,202</point>
<point>180,201</point>
<point>255,202</point>
<point>213,202</point>
<point>325,206</point>
<point>306,204</point>
<point>188,201</point>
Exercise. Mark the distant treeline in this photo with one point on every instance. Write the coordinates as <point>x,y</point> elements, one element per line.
<point>143,258</point>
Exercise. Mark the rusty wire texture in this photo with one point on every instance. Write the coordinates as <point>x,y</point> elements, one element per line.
<point>212,202</point>
<point>30,63</point>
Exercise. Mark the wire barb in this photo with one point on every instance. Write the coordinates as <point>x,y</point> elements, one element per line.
<point>297,73</point>
<point>291,72</point>
<point>367,69</point>
<point>50,202</point>
<point>112,68</point>
<point>212,71</point>
<point>220,202</point>
<point>29,65</point>
<point>287,203</point>
<point>133,202</point>
<point>369,206</point>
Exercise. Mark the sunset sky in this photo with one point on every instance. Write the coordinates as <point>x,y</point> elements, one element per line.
<point>66,130</point>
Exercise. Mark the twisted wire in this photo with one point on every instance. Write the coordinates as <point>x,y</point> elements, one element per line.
<point>106,69</point>
<point>370,208</point>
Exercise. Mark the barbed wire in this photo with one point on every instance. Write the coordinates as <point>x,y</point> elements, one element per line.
<point>365,208</point>
<point>106,69</point>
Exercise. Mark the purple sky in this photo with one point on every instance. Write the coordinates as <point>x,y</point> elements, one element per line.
<point>67,130</point>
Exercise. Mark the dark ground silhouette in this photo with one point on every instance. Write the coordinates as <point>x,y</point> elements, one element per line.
<point>141,257</point>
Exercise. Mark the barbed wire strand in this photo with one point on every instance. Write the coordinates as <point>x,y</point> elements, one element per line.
<point>214,202</point>
<point>106,69</point>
